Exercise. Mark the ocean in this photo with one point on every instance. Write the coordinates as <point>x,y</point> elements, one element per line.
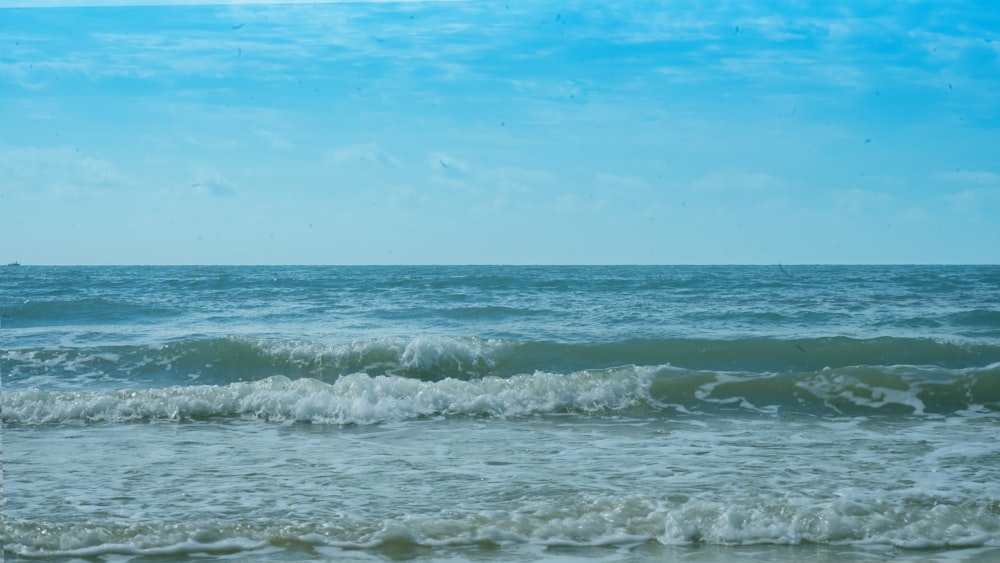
<point>501,413</point>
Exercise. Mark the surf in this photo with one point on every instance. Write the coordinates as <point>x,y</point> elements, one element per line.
<point>361,398</point>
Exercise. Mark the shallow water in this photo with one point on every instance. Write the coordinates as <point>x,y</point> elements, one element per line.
<point>502,414</point>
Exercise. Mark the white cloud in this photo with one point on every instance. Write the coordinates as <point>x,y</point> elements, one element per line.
<point>212,143</point>
<point>213,184</point>
<point>736,180</point>
<point>581,204</point>
<point>944,47</point>
<point>976,200</point>
<point>513,186</point>
<point>970,177</point>
<point>20,73</point>
<point>274,139</point>
<point>60,171</point>
<point>911,215</point>
<point>363,152</point>
<point>446,165</point>
<point>620,182</point>
<point>857,201</point>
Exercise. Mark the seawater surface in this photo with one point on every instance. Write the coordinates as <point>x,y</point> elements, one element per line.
<point>495,413</point>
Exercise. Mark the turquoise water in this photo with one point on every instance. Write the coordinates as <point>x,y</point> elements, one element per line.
<point>501,413</point>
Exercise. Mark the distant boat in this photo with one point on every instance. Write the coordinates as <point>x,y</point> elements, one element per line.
<point>14,263</point>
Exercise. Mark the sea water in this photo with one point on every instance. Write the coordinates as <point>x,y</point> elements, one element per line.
<point>480,413</point>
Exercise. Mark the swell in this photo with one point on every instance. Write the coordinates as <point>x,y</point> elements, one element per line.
<point>227,360</point>
<point>768,354</point>
<point>79,311</point>
<point>234,359</point>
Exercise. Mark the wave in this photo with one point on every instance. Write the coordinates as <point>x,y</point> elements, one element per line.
<point>77,311</point>
<point>360,398</point>
<point>352,399</point>
<point>431,358</point>
<point>227,360</point>
<point>573,522</point>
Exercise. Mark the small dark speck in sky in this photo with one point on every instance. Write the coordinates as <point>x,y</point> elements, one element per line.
<point>238,26</point>
<point>867,141</point>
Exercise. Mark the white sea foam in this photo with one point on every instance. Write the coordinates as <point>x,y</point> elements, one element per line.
<point>578,521</point>
<point>394,355</point>
<point>353,399</point>
<point>186,548</point>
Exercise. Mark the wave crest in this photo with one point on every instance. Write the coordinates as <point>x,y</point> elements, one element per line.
<point>352,399</point>
<point>361,398</point>
<point>435,358</point>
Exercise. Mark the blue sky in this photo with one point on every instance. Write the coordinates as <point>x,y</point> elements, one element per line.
<point>499,132</point>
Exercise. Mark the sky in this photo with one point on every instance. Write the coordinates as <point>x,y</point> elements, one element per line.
<point>510,132</point>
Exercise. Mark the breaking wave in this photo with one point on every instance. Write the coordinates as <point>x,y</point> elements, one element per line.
<point>361,398</point>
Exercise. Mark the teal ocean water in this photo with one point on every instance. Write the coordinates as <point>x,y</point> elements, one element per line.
<point>479,413</point>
